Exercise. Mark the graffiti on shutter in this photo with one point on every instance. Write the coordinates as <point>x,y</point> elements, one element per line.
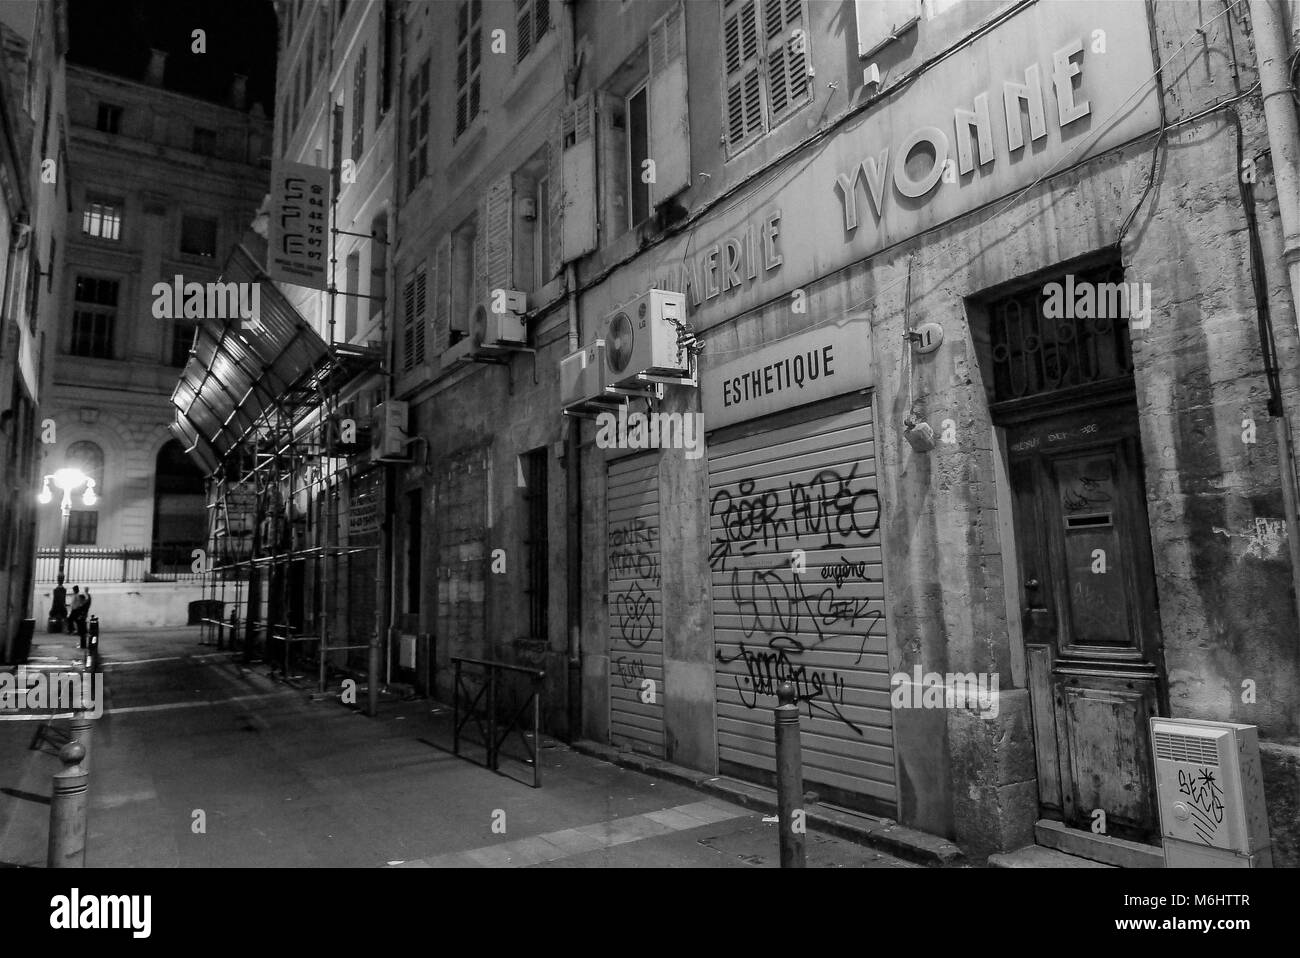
<point>636,642</point>
<point>499,221</point>
<point>442,295</point>
<point>670,131</point>
<point>741,73</point>
<point>577,186</point>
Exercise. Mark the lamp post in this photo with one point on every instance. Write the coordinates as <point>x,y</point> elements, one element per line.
<point>69,480</point>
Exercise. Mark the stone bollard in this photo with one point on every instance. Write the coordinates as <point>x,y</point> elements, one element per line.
<point>79,730</point>
<point>789,779</point>
<point>68,811</point>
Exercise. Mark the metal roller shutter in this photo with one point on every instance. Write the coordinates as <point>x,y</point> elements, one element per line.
<point>636,642</point>
<point>808,482</point>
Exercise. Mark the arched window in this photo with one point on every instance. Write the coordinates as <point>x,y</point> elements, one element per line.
<point>83,523</point>
<point>180,515</point>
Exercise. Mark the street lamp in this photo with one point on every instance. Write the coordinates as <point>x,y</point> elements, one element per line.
<point>69,479</point>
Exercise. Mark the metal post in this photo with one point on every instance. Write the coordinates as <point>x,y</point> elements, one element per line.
<point>789,778</point>
<point>321,646</point>
<point>455,710</point>
<point>79,730</point>
<point>67,847</point>
<point>58,605</point>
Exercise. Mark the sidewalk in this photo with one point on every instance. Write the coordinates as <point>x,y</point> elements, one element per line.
<point>199,762</point>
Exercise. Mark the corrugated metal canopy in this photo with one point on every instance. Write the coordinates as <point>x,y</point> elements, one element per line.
<point>236,375</point>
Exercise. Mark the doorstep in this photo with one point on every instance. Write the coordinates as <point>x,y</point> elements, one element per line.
<point>881,833</point>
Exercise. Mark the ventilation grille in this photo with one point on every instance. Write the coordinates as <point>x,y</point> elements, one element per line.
<point>1186,748</point>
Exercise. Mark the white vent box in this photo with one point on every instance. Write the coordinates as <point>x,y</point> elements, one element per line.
<point>1211,794</point>
<point>583,376</point>
<point>643,337</point>
<point>388,434</point>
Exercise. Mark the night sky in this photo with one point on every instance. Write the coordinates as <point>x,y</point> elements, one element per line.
<point>115,36</point>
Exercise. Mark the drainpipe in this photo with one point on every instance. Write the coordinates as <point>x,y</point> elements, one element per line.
<point>1277,92</point>
<point>573,459</point>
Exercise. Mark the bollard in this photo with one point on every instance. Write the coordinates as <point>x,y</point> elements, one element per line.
<point>68,811</point>
<point>789,778</point>
<point>79,730</point>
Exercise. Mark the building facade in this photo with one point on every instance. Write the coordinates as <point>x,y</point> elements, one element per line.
<point>164,184</point>
<point>967,352</point>
<point>34,177</point>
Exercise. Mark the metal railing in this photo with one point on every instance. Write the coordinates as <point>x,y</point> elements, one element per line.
<point>486,719</point>
<point>90,564</point>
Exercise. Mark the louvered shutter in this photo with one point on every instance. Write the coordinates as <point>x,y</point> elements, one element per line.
<point>412,321</point>
<point>524,28</point>
<point>497,224</point>
<point>670,129</point>
<point>480,262</point>
<point>555,212</point>
<point>787,57</point>
<point>421,311</point>
<point>577,185</point>
<point>742,70</point>
<point>442,295</point>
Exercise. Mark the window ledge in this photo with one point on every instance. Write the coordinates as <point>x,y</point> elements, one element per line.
<point>527,69</point>
<point>466,142</point>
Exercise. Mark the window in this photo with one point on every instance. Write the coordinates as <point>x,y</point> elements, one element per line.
<point>180,515</point>
<point>414,298</point>
<point>205,141</point>
<point>359,106</point>
<point>93,317</point>
<point>541,237</point>
<point>199,236</point>
<point>352,302</point>
<point>765,66</point>
<point>536,545</point>
<point>530,228</point>
<point>109,119</point>
<point>469,33</point>
<point>462,279</point>
<point>533,18</point>
<point>182,340</point>
<point>417,158</point>
<point>83,527</point>
<point>638,151</point>
<point>102,217</point>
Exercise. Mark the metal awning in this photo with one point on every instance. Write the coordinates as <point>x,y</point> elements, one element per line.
<point>236,376</point>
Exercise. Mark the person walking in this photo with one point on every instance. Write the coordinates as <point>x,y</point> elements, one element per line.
<point>70,622</point>
<point>77,618</point>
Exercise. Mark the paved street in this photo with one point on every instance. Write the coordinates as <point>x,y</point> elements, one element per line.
<point>277,779</point>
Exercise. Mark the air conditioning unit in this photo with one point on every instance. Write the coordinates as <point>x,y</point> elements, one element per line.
<point>584,376</point>
<point>388,436</point>
<point>492,330</point>
<point>1211,794</point>
<point>642,337</point>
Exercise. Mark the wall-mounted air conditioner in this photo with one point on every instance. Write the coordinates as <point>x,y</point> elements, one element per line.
<point>1211,794</point>
<point>583,376</point>
<point>642,337</point>
<point>496,324</point>
<point>388,436</point>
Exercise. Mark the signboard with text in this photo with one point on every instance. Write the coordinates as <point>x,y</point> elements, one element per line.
<point>298,233</point>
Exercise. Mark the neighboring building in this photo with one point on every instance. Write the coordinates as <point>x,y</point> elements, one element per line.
<point>34,179</point>
<point>164,184</point>
<point>1101,519</point>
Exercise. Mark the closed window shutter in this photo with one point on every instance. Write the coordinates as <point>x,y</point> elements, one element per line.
<point>524,33</point>
<point>670,128</point>
<point>740,49</point>
<point>442,295</point>
<point>576,191</point>
<point>480,260</point>
<point>555,190</point>
<point>421,312</point>
<point>498,222</point>
<point>787,57</point>
<point>408,325</point>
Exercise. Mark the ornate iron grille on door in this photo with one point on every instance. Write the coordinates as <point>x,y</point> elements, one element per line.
<point>1046,338</point>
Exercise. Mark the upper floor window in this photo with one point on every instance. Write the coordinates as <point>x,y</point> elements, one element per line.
<point>102,217</point>
<point>765,57</point>
<point>205,141</point>
<point>199,236</point>
<point>414,301</point>
<point>469,35</point>
<point>109,118</point>
<point>359,107</point>
<point>182,340</point>
<point>637,125</point>
<point>93,317</point>
<point>417,157</point>
<point>533,19</point>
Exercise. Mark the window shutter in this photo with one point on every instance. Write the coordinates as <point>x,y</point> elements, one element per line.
<point>670,129</point>
<point>741,68</point>
<point>524,29</point>
<point>408,325</point>
<point>480,262</point>
<point>498,225</point>
<point>442,295</point>
<point>787,57</point>
<point>555,215</point>
<point>878,20</point>
<point>421,311</point>
<point>577,185</point>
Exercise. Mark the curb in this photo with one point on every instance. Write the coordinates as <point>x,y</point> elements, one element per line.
<point>906,843</point>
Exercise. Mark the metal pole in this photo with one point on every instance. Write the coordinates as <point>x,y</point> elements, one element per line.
<point>67,847</point>
<point>789,778</point>
<point>492,717</point>
<point>58,603</point>
<point>79,730</point>
<point>455,710</point>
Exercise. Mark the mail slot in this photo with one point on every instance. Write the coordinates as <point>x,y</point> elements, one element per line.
<point>1091,521</point>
